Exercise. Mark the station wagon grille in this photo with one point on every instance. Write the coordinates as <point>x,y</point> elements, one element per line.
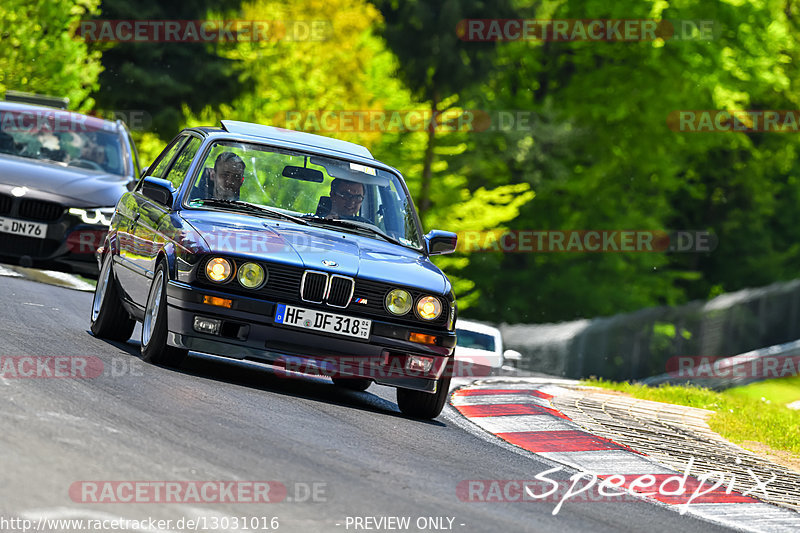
<point>5,204</point>
<point>341,291</point>
<point>38,210</point>
<point>312,288</point>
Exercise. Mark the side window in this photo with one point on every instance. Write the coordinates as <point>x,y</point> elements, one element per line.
<point>162,163</point>
<point>177,173</point>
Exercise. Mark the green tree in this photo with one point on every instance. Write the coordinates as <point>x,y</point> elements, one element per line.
<point>40,54</point>
<point>435,63</point>
<point>162,77</point>
<point>600,155</point>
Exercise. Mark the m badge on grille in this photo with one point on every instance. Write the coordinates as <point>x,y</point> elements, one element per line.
<point>360,301</point>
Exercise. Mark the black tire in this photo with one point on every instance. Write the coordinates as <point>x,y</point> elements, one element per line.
<point>355,384</point>
<point>109,320</point>
<point>419,404</point>
<point>154,326</point>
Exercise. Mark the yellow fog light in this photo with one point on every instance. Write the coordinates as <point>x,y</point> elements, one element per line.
<point>251,276</point>
<point>429,307</point>
<point>218,269</point>
<point>398,302</point>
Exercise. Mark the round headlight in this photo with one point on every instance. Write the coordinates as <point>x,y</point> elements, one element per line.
<point>251,276</point>
<point>398,302</point>
<point>429,307</point>
<point>218,269</point>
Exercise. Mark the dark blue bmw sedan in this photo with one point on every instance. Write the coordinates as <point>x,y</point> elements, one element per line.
<point>292,249</point>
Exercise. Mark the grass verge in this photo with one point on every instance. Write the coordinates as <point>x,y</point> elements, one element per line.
<point>740,415</point>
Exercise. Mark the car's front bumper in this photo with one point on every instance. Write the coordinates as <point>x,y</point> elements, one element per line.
<point>65,248</point>
<point>249,331</point>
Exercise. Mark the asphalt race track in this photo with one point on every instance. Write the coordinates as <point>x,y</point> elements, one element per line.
<point>347,461</point>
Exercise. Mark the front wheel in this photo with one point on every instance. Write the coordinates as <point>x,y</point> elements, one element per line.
<point>109,320</point>
<point>154,327</point>
<point>419,404</point>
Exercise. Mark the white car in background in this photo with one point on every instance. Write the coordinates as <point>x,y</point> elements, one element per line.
<point>480,344</point>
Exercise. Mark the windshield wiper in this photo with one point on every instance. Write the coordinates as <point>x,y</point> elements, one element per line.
<point>359,225</point>
<point>247,206</point>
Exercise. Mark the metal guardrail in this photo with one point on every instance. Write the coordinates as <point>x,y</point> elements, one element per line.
<point>738,370</point>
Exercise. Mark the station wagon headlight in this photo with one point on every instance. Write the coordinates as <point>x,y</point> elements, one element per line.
<point>429,307</point>
<point>218,269</point>
<point>100,216</point>
<point>251,275</point>
<point>398,302</point>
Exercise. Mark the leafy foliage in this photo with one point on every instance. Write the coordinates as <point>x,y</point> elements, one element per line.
<point>39,53</point>
<point>161,77</point>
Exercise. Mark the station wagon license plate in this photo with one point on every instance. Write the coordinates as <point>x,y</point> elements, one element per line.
<point>21,227</point>
<point>300,317</point>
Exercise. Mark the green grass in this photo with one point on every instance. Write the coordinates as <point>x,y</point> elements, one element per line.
<point>740,414</point>
<point>778,391</point>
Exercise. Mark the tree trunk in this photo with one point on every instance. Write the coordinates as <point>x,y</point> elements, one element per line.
<point>425,191</point>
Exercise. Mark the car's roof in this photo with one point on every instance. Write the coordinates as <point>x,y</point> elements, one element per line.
<point>90,122</point>
<point>470,325</point>
<point>296,137</point>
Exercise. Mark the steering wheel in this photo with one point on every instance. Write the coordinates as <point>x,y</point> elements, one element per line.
<point>85,163</point>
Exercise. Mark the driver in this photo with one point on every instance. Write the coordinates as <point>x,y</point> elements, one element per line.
<point>346,198</point>
<point>223,181</point>
<point>93,151</point>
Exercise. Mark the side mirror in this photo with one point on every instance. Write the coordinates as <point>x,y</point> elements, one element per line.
<point>512,357</point>
<point>441,242</point>
<point>158,190</point>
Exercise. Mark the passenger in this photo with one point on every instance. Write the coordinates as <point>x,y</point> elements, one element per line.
<point>93,151</point>
<point>346,198</point>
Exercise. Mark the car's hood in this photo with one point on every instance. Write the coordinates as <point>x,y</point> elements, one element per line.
<point>75,186</point>
<point>307,247</point>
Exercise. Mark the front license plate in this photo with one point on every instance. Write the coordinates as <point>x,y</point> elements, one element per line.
<point>20,227</point>
<point>300,317</point>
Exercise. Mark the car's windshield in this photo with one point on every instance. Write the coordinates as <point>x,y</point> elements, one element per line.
<point>322,190</point>
<point>61,137</point>
<point>475,340</point>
